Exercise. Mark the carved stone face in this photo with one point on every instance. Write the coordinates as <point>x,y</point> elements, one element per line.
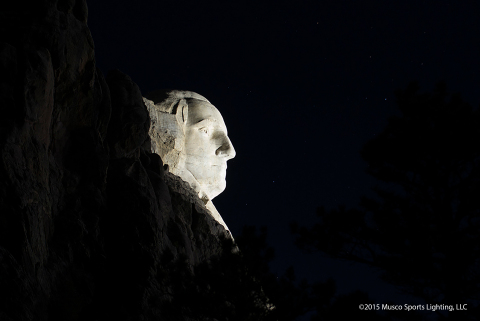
<point>207,147</point>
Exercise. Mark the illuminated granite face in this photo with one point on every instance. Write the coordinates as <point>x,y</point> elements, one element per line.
<point>189,134</point>
<point>207,147</point>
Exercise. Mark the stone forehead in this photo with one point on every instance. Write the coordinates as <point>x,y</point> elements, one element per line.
<point>201,110</point>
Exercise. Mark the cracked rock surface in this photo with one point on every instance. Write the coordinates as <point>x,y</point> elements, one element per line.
<point>88,219</point>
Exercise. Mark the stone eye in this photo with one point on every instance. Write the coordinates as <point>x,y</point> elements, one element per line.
<point>204,130</point>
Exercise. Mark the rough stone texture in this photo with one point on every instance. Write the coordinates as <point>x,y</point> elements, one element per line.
<point>88,223</point>
<point>167,137</point>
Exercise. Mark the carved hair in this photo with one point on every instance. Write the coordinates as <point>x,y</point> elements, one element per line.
<point>168,100</point>
<point>168,111</point>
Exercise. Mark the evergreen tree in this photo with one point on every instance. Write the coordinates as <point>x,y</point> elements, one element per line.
<point>237,285</point>
<point>423,228</point>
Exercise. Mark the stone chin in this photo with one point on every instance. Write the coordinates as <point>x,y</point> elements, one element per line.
<point>214,191</point>
<point>211,183</point>
<point>212,187</point>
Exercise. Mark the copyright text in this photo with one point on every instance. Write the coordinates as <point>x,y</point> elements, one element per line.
<point>416,307</point>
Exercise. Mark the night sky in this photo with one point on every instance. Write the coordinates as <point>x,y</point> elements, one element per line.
<point>301,85</point>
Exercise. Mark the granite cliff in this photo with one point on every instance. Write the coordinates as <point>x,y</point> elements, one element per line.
<point>92,227</point>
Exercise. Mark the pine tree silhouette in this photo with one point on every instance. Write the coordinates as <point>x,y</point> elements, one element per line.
<point>423,228</point>
<point>237,285</point>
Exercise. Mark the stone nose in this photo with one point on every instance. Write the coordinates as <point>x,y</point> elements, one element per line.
<point>226,150</point>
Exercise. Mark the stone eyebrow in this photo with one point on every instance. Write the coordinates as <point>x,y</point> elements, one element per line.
<point>205,121</point>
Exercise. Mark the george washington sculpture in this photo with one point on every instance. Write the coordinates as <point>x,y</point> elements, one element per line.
<point>189,134</point>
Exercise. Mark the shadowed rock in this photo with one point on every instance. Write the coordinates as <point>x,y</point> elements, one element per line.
<point>88,218</point>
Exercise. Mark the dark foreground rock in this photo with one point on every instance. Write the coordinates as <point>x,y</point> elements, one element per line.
<point>90,228</point>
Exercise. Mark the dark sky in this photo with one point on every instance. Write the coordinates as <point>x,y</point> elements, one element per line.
<point>302,85</point>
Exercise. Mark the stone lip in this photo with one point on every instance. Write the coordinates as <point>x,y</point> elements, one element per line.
<point>90,224</point>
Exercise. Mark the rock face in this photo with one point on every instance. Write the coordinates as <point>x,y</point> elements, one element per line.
<point>89,221</point>
<point>190,136</point>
